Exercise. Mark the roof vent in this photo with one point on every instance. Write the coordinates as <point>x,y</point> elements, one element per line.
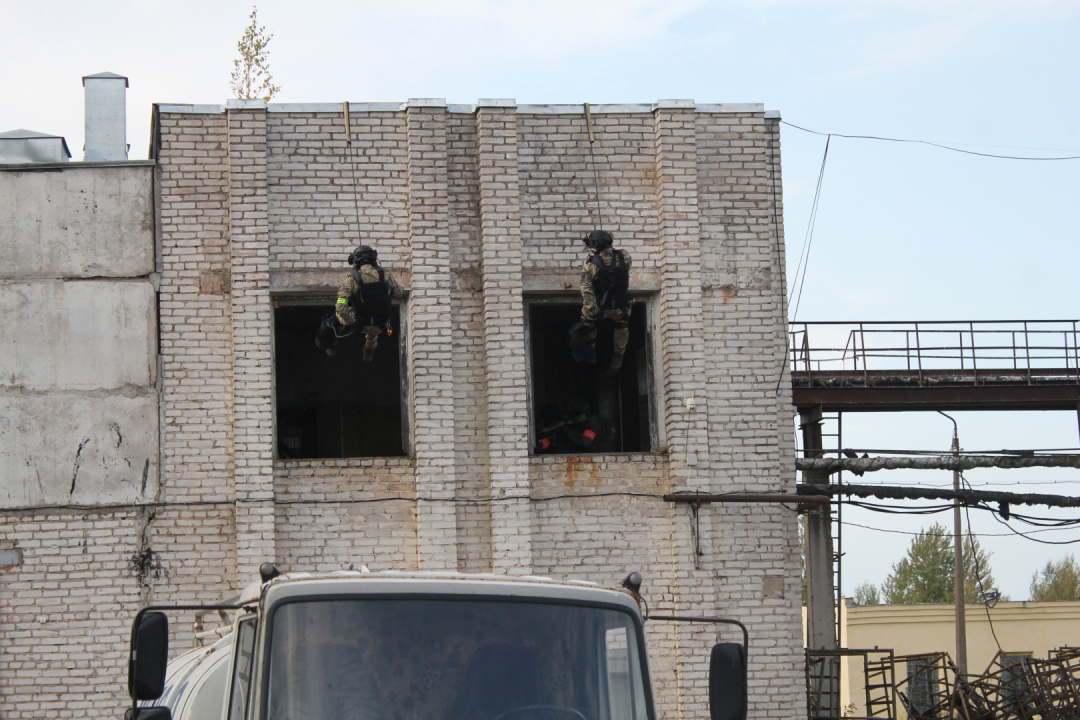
<point>106,117</point>
<point>27,146</point>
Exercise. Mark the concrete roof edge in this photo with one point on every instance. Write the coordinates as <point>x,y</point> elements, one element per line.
<point>179,109</point>
<point>24,167</point>
<point>252,104</point>
<point>731,108</point>
<point>533,109</point>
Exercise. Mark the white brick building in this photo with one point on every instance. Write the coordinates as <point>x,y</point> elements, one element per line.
<point>270,450</point>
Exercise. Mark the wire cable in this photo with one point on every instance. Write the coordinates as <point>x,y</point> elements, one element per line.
<point>932,144</point>
<point>1027,535</point>
<point>351,150</point>
<point>978,571</point>
<point>804,258</point>
<point>596,175</point>
<point>978,535</point>
<point>111,507</point>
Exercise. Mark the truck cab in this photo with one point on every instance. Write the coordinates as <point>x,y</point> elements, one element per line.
<point>408,646</point>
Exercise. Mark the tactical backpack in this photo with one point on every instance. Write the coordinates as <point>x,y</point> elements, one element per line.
<point>371,301</point>
<point>612,282</point>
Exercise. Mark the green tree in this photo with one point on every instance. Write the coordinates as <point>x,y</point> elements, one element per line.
<point>866,593</point>
<point>1057,581</point>
<point>251,78</point>
<point>926,574</point>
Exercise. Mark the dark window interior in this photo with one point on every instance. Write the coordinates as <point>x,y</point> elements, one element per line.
<point>340,406</point>
<point>616,406</point>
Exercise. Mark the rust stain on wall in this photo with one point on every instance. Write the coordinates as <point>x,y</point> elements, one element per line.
<point>576,465</point>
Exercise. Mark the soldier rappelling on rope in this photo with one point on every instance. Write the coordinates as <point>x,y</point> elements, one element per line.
<point>363,301</point>
<point>605,282</point>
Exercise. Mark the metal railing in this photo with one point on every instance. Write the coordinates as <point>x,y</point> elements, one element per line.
<point>1016,348</point>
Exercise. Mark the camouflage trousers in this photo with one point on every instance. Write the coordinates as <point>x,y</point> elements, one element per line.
<point>590,314</point>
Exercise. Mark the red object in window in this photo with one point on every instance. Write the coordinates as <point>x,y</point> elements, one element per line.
<point>589,434</point>
<point>545,443</point>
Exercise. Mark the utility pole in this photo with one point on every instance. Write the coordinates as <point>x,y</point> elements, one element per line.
<point>820,594</point>
<point>958,564</point>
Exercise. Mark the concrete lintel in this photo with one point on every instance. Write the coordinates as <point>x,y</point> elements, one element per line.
<point>191,109</point>
<point>236,104</point>
<point>675,105</point>
<point>571,283</point>
<point>317,282</point>
<point>496,102</point>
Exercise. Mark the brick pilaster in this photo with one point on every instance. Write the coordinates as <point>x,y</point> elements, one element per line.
<point>504,336</point>
<point>430,343</point>
<point>252,338</point>
<point>683,359</point>
<point>683,352</point>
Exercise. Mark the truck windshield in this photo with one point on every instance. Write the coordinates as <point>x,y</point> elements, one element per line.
<point>453,660</point>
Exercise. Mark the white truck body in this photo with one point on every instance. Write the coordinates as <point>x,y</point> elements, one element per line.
<point>418,646</point>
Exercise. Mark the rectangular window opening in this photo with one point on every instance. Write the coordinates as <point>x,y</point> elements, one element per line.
<point>584,409</point>
<point>339,406</point>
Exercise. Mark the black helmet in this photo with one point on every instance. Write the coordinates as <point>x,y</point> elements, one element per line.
<point>363,255</point>
<point>598,240</point>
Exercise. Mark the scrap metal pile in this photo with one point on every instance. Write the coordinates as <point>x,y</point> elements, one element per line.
<point>927,687</point>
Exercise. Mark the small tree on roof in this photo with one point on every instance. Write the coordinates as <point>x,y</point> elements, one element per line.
<point>251,78</point>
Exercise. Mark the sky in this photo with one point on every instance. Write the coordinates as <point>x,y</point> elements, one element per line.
<point>903,231</point>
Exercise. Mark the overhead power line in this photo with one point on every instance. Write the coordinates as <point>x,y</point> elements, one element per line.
<point>975,534</point>
<point>931,144</point>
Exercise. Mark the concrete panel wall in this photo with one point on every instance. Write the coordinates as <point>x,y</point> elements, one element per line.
<point>79,449</point>
<point>77,335</point>
<point>79,436</point>
<point>77,222</point>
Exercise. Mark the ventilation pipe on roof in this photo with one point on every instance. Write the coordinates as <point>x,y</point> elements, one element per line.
<point>106,117</point>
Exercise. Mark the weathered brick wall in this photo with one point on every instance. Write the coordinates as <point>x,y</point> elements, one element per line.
<point>337,514</point>
<point>476,210</point>
<point>66,613</point>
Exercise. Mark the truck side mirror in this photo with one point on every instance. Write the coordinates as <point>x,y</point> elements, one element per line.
<point>149,656</point>
<point>727,682</point>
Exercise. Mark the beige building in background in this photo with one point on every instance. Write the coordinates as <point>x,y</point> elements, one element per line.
<point>1022,628</point>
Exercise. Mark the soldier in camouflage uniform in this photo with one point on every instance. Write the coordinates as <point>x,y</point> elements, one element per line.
<point>604,295</point>
<point>364,297</point>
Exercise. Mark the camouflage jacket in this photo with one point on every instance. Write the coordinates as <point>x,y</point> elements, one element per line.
<point>368,274</point>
